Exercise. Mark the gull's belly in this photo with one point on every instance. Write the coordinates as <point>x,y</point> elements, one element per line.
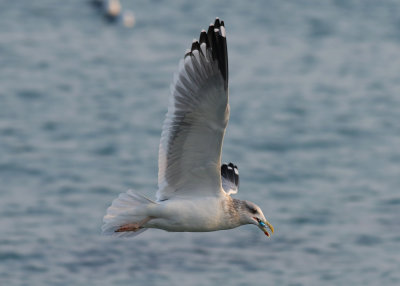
<point>205,214</point>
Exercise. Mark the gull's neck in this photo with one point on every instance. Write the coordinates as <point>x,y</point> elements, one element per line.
<point>232,212</point>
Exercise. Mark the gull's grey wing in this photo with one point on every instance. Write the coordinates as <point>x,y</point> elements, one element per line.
<point>230,178</point>
<point>198,112</point>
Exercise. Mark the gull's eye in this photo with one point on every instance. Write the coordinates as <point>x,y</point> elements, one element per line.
<point>252,210</point>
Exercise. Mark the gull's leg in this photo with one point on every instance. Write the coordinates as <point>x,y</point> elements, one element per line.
<point>133,226</point>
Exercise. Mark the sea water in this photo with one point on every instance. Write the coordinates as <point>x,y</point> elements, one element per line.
<point>314,130</point>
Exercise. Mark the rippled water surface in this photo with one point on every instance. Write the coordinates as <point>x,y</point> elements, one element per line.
<point>314,129</point>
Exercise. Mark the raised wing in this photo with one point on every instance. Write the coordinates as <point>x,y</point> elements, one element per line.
<point>230,178</point>
<point>198,112</point>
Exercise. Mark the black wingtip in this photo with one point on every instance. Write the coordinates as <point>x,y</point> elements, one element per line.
<point>231,172</point>
<point>217,41</point>
<point>210,34</point>
<point>195,46</point>
<point>204,39</point>
<point>217,23</point>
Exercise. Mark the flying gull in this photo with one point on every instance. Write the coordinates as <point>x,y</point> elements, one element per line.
<point>194,189</point>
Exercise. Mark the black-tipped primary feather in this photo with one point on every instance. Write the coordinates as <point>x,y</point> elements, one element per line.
<point>224,170</point>
<point>195,46</point>
<point>217,23</point>
<point>231,173</point>
<point>217,39</point>
<point>211,40</point>
<point>230,178</point>
<point>203,38</point>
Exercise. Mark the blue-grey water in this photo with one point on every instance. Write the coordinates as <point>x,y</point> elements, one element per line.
<point>314,129</point>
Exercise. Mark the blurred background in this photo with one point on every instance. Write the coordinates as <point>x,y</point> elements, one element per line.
<point>314,129</point>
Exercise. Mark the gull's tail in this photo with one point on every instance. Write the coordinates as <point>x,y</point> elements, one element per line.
<point>126,214</point>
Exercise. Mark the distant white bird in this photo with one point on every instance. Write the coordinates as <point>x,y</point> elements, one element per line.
<point>112,9</point>
<point>194,189</point>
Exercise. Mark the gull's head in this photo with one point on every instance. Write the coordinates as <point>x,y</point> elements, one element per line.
<point>252,214</point>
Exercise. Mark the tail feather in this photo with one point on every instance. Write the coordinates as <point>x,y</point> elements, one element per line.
<point>128,208</point>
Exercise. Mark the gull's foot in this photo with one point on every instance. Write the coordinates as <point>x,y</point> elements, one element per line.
<point>133,226</point>
<point>129,227</point>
